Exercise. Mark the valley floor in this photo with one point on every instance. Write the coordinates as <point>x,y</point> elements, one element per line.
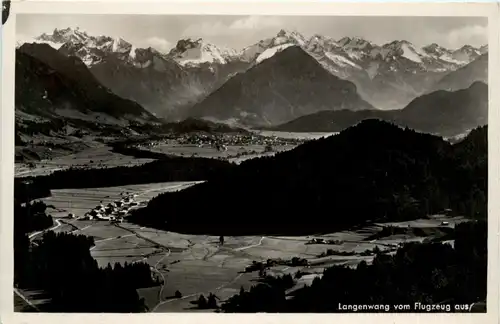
<point>197,264</point>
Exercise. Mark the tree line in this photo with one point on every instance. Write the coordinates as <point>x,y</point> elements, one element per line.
<point>372,171</point>
<point>60,264</point>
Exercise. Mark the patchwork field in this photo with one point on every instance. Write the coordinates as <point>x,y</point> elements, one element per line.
<point>80,201</point>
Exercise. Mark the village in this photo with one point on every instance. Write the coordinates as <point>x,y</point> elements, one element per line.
<point>113,211</point>
<point>222,141</point>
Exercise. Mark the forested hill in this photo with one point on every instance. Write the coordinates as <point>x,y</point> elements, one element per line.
<point>371,171</point>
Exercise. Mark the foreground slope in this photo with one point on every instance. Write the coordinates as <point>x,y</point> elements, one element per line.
<point>50,85</point>
<point>373,171</point>
<point>285,86</point>
<point>440,112</point>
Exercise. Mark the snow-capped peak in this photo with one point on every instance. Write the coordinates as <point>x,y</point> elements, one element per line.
<point>467,49</point>
<point>403,48</point>
<point>119,45</point>
<point>285,36</point>
<point>267,48</point>
<point>94,49</point>
<point>435,50</point>
<point>356,43</point>
<point>319,44</point>
<point>466,53</point>
<point>60,36</point>
<point>190,51</point>
<point>483,49</point>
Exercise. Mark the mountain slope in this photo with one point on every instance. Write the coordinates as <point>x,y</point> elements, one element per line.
<point>154,82</point>
<point>440,112</point>
<point>373,171</point>
<point>159,82</point>
<point>462,78</point>
<point>283,87</point>
<point>51,85</point>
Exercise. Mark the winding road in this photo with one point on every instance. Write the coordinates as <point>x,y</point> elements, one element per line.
<point>33,235</point>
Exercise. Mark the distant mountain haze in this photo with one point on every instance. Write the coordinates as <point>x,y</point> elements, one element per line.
<point>441,112</point>
<point>462,78</point>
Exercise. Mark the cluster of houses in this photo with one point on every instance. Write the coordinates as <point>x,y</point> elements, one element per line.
<point>261,266</point>
<point>114,211</point>
<point>323,241</point>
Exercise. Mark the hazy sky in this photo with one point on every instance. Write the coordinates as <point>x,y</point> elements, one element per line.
<point>162,32</point>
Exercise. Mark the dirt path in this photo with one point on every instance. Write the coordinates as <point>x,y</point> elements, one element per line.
<point>163,283</point>
<point>250,246</point>
<point>33,235</point>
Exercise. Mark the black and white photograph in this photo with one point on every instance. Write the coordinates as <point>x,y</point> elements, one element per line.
<point>250,163</point>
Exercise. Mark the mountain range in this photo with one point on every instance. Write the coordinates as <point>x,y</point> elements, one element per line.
<point>344,57</point>
<point>273,81</point>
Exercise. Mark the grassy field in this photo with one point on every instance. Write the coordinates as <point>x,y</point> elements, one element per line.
<point>234,153</point>
<point>294,135</point>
